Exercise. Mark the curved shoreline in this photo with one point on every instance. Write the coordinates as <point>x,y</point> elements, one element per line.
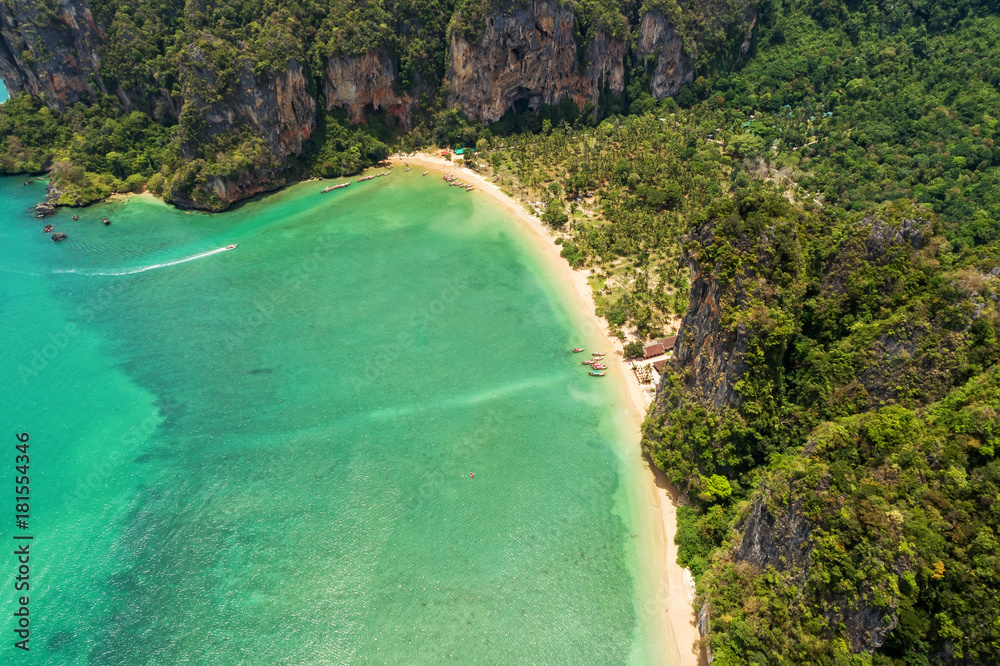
<point>681,623</point>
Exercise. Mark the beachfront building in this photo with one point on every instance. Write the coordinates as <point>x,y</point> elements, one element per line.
<point>653,349</point>
<point>668,343</point>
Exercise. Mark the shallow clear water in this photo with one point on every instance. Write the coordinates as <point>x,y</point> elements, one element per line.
<point>264,455</point>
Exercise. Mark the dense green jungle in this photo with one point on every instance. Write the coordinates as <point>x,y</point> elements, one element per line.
<point>820,219</point>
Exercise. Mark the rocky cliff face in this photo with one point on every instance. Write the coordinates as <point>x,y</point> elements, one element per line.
<point>197,185</point>
<point>711,346</point>
<point>531,54</point>
<point>354,83</point>
<point>659,38</point>
<point>265,118</point>
<point>711,357</point>
<point>784,540</point>
<point>51,51</point>
<point>275,104</point>
<point>720,28</point>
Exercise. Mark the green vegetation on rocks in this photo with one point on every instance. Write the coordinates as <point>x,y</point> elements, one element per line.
<point>823,213</point>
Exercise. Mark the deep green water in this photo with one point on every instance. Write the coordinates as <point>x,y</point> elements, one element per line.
<point>263,456</point>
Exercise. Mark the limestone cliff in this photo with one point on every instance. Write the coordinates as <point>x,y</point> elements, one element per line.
<point>672,50</point>
<point>248,127</point>
<point>712,358</point>
<point>51,50</point>
<point>274,103</point>
<point>659,39</point>
<point>783,538</point>
<point>356,82</point>
<point>719,326</point>
<point>531,54</point>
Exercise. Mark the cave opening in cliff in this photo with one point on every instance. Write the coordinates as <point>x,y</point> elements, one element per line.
<point>521,105</point>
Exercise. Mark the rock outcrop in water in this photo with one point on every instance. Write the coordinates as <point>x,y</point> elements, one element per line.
<point>44,210</point>
<point>531,54</point>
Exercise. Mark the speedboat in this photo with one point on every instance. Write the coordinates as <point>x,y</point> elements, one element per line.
<point>231,247</point>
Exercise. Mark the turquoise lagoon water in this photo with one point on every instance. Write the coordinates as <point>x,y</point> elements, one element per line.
<point>264,455</point>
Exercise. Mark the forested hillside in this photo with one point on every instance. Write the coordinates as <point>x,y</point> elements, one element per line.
<point>810,190</point>
<point>832,412</point>
<point>207,102</point>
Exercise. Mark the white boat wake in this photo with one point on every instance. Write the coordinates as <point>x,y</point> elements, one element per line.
<point>143,269</point>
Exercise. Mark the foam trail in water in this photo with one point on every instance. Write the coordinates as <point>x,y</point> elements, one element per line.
<point>143,269</point>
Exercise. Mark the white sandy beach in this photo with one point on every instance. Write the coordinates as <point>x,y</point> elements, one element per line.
<point>680,619</point>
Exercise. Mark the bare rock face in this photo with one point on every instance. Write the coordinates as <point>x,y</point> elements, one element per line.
<point>781,541</point>
<point>674,66</point>
<point>51,53</point>
<point>530,53</point>
<point>785,540</point>
<point>356,82</point>
<point>659,38</point>
<point>712,356</point>
<point>272,106</point>
<point>199,187</point>
<point>883,236</point>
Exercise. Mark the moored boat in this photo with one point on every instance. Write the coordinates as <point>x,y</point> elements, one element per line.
<point>586,362</point>
<point>578,350</point>
<point>597,374</point>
